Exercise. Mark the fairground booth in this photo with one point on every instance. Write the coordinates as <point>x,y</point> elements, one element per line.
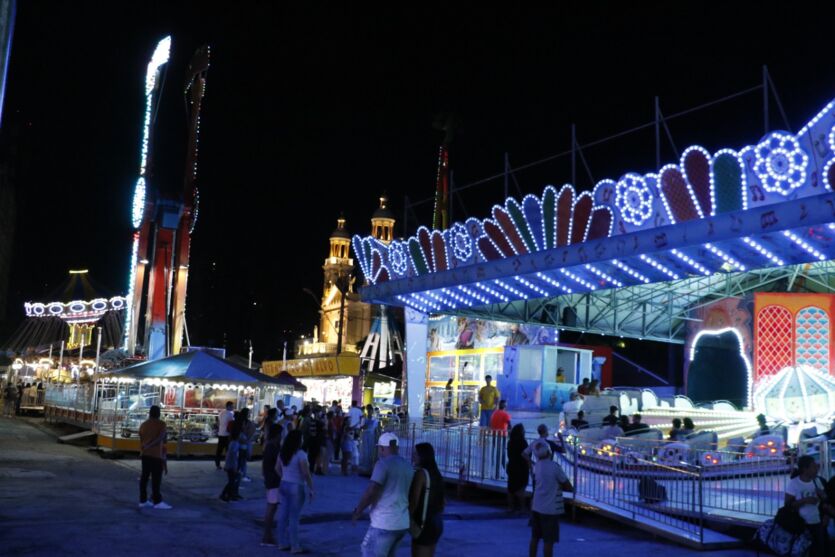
<point>191,389</point>
<point>727,252</point>
<point>325,378</point>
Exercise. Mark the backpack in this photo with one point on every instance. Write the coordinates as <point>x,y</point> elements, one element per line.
<point>651,491</point>
<point>782,542</point>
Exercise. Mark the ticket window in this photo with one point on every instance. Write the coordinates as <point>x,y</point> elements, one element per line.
<point>568,361</point>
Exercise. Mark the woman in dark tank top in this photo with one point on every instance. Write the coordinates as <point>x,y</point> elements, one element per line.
<point>423,457</point>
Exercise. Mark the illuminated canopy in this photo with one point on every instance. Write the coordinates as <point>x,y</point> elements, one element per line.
<point>797,394</point>
<point>197,367</point>
<point>763,207</point>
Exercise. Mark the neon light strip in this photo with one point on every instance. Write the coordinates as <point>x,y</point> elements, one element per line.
<point>725,257</point>
<point>440,299</point>
<point>509,288</point>
<point>692,262</point>
<point>742,354</point>
<point>604,276</point>
<point>659,266</point>
<point>630,271</point>
<point>578,280</point>
<point>457,297</point>
<point>492,292</point>
<point>474,294</point>
<point>554,283</point>
<point>160,57</point>
<point>131,282</point>
<point>426,302</point>
<point>533,287</point>
<point>764,252</point>
<point>806,247</point>
<point>413,304</point>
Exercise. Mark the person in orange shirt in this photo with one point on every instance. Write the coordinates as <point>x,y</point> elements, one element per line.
<point>499,426</point>
<point>500,420</point>
<point>152,438</point>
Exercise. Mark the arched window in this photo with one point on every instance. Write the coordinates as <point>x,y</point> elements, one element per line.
<point>775,346</point>
<point>811,344</point>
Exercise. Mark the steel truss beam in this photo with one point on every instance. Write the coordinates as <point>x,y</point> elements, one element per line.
<point>657,311</point>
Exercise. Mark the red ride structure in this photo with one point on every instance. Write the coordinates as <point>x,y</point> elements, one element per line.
<point>162,220</point>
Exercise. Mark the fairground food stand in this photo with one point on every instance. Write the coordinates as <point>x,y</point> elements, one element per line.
<point>190,389</point>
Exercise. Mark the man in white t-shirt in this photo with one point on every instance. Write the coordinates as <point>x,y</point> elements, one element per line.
<point>354,415</point>
<point>388,496</point>
<point>547,502</point>
<point>804,493</point>
<point>572,406</point>
<point>224,418</point>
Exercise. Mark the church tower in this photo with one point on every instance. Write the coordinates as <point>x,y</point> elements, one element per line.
<point>338,262</point>
<point>382,221</point>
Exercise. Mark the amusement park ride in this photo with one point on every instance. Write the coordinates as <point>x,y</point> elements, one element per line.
<point>162,222</point>
<point>708,252</point>
<point>152,315</point>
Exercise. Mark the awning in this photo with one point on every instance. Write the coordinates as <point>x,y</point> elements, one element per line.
<point>200,367</point>
<point>324,366</point>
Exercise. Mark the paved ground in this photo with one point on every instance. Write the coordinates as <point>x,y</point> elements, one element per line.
<point>64,500</point>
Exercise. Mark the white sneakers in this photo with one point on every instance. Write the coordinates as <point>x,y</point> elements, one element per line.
<point>246,479</point>
<point>162,505</point>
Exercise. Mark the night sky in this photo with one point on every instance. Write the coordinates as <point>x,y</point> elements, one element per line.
<point>311,112</point>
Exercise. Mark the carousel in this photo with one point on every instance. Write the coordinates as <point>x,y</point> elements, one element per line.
<point>191,389</point>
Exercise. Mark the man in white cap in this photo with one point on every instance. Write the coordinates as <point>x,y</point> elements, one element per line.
<point>388,496</point>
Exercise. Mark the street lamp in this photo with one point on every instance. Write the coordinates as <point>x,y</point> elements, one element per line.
<point>342,283</point>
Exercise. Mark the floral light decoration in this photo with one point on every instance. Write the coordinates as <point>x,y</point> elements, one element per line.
<point>780,163</point>
<point>634,199</point>
<point>397,258</point>
<point>462,244</point>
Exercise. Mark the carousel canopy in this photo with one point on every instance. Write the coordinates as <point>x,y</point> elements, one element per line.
<point>200,367</point>
<point>632,256</point>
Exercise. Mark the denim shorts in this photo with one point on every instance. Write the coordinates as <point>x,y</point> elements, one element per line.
<point>484,420</point>
<point>381,543</point>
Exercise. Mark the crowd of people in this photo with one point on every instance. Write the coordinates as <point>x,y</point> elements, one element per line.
<point>402,497</point>
<point>13,394</point>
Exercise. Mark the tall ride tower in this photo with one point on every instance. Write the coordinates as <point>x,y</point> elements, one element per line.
<point>163,218</point>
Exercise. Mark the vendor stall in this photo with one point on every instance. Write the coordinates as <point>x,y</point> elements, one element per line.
<point>190,389</point>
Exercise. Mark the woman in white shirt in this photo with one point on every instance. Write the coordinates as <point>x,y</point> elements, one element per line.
<point>805,493</point>
<point>293,468</point>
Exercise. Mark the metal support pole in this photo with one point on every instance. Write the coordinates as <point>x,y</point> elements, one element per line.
<point>765,99</point>
<point>98,353</point>
<point>574,476</point>
<point>451,202</point>
<point>506,175</point>
<point>657,134</point>
<point>701,509</point>
<point>60,359</point>
<point>405,216</point>
<point>80,353</point>
<point>573,155</point>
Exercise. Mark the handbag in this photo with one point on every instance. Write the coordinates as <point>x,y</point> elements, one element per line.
<point>782,542</point>
<point>415,527</point>
<point>789,520</point>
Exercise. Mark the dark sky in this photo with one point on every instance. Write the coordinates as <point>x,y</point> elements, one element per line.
<point>312,111</point>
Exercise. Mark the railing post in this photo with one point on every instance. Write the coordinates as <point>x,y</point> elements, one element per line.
<point>701,508</point>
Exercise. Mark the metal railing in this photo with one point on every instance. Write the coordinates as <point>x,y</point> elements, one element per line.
<point>679,494</point>
<point>71,403</point>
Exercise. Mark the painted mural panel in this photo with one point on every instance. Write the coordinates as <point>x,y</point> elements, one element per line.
<point>448,332</point>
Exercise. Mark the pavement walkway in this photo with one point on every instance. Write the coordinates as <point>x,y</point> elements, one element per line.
<point>66,500</point>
